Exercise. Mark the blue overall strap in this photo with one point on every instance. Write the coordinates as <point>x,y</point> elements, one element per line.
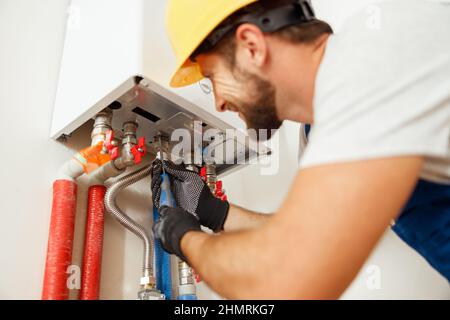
<point>425,224</point>
<point>307,130</point>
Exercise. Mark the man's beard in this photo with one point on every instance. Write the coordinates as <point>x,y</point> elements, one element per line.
<point>261,113</point>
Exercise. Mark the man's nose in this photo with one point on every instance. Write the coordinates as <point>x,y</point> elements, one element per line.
<point>220,104</point>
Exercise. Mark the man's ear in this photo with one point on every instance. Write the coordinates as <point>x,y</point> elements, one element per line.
<point>251,46</point>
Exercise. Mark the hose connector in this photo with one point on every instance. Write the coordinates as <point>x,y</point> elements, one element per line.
<point>186,286</point>
<point>150,294</point>
<point>133,149</point>
<point>102,124</point>
<point>147,280</point>
<point>162,146</point>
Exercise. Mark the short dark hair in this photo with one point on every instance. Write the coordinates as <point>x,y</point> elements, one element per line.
<point>306,32</point>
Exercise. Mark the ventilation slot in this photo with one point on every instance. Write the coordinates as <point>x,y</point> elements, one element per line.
<point>147,115</point>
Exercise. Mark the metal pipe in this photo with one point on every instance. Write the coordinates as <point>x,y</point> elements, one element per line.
<point>130,224</point>
<point>186,283</point>
<point>163,264</point>
<point>129,140</point>
<point>102,124</point>
<point>186,288</point>
<point>211,177</point>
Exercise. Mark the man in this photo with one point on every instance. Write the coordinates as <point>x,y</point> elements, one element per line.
<point>378,100</point>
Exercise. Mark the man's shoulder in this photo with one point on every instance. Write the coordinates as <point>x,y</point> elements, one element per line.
<point>390,43</point>
<point>395,30</point>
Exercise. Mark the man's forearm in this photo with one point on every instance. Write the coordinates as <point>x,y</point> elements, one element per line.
<point>242,219</point>
<point>234,264</point>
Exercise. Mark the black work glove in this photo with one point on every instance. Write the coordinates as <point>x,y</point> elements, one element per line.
<point>191,193</point>
<point>172,226</point>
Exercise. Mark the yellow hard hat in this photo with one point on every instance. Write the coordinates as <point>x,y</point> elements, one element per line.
<point>188,23</point>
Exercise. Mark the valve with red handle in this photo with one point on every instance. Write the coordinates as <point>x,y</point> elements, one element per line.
<point>139,150</point>
<point>220,193</point>
<point>218,187</point>
<point>113,150</point>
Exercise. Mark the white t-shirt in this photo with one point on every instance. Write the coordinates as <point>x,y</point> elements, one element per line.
<point>383,89</point>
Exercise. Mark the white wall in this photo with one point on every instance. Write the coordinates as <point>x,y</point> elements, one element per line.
<point>31,43</point>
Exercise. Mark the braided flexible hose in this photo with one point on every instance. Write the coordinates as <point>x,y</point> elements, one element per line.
<point>126,221</point>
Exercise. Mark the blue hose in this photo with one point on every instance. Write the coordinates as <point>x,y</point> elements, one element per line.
<point>187,297</point>
<point>162,258</point>
<point>162,265</point>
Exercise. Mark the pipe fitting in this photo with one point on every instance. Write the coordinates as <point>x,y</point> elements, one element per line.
<point>186,284</point>
<point>105,172</point>
<point>148,281</point>
<point>130,129</point>
<point>129,140</point>
<point>185,273</point>
<point>150,294</point>
<point>71,170</point>
<point>102,124</point>
<point>186,289</point>
<point>211,177</point>
<point>162,146</point>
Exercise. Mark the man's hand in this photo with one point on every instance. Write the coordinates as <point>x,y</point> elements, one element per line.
<point>191,193</point>
<point>172,226</point>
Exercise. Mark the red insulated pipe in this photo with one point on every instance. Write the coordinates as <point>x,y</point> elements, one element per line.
<point>60,240</point>
<point>93,244</point>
